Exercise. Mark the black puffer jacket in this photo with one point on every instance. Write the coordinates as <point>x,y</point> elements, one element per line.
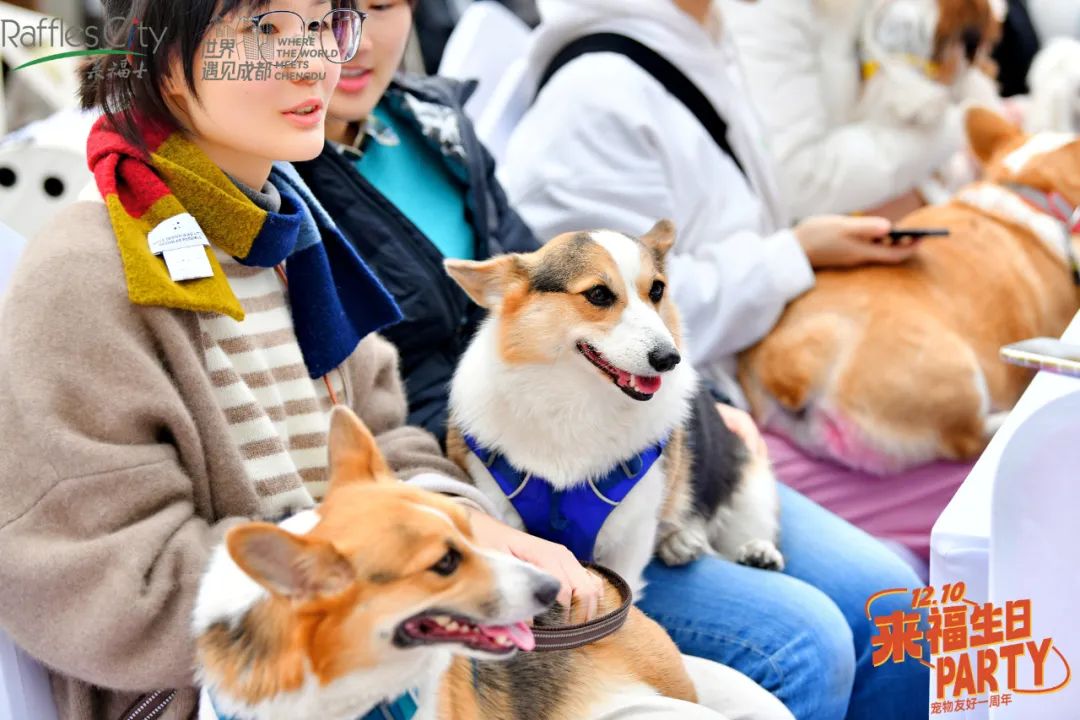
<point>439,318</point>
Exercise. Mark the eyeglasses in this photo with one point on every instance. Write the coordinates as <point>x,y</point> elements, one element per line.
<point>284,37</point>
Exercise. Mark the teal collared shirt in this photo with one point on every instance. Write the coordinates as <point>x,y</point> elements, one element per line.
<point>400,164</point>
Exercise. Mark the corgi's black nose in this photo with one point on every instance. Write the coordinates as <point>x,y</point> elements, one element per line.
<point>547,591</point>
<point>663,359</point>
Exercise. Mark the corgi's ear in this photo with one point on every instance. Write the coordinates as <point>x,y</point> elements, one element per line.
<point>288,565</point>
<point>353,454</point>
<point>660,238</point>
<point>987,132</point>
<point>486,281</point>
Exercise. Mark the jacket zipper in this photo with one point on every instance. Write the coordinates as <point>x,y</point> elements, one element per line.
<point>151,705</point>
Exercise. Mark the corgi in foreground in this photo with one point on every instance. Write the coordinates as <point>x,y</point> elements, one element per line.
<point>377,604</point>
<point>886,367</point>
<point>570,409</point>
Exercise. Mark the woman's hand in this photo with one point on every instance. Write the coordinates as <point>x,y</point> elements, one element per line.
<point>837,241</point>
<point>742,424</point>
<point>577,582</point>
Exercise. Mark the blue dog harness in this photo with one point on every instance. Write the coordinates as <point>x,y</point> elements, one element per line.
<point>570,517</point>
<point>404,708</point>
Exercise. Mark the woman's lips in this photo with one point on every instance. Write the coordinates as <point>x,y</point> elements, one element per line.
<point>354,81</point>
<point>308,115</point>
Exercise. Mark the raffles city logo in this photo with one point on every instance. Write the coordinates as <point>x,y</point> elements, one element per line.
<point>81,41</point>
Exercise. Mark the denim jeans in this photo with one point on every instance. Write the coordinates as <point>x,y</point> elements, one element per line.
<point>802,634</point>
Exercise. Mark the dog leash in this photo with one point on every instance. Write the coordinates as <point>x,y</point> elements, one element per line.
<point>568,637</point>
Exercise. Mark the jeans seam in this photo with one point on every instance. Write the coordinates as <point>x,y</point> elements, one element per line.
<point>768,657</point>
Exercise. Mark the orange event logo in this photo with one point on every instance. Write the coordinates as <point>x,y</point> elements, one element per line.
<point>999,637</point>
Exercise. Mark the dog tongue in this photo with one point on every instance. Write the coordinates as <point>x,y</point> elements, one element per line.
<point>521,635</point>
<point>647,384</point>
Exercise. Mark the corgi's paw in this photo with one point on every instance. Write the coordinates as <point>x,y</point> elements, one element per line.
<point>760,554</point>
<point>681,545</point>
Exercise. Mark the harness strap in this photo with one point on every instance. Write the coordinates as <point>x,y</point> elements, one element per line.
<point>571,517</point>
<point>1056,206</point>
<point>663,71</point>
<point>402,708</point>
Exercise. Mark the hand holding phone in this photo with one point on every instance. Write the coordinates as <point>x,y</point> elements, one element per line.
<point>908,236</point>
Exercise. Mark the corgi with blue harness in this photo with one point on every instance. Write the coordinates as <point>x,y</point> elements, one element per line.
<point>574,410</point>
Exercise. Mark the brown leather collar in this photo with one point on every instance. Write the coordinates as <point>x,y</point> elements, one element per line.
<point>568,637</point>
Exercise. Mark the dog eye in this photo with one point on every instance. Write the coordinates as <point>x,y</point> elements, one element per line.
<point>656,292</point>
<point>600,296</point>
<point>448,563</point>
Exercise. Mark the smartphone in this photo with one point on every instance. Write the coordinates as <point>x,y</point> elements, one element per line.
<point>1044,353</point>
<point>895,235</point>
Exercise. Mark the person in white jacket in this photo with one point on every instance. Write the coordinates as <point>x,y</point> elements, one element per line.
<point>606,146</point>
<point>856,122</point>
<point>588,154</point>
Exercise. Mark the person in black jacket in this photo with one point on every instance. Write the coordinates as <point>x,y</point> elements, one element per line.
<point>409,185</point>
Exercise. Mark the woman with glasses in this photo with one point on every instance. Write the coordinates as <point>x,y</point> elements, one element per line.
<point>173,344</point>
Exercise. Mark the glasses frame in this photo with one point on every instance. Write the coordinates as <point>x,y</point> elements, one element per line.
<point>255,20</point>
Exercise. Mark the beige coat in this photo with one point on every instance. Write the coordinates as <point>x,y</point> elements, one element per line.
<point>117,475</point>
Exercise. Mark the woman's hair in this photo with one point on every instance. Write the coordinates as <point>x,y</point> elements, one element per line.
<point>160,31</point>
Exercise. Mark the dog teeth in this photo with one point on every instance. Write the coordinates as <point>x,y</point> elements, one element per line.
<point>452,626</point>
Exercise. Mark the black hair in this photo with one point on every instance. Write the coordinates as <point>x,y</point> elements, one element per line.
<point>160,30</point>
<point>118,83</point>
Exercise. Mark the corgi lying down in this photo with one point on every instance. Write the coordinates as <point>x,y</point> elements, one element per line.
<point>886,367</point>
<point>378,600</point>
<point>572,405</point>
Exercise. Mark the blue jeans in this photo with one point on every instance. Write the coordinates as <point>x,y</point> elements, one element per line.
<point>802,634</point>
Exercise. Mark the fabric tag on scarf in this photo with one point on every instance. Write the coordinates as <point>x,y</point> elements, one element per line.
<point>188,264</point>
<point>181,241</point>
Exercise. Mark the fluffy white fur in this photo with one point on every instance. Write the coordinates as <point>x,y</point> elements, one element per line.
<point>567,423</point>
<point>1054,79</point>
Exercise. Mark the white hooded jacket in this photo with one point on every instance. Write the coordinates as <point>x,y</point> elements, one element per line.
<point>606,146</point>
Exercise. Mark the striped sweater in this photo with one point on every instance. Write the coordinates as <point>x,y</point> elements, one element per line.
<point>278,416</point>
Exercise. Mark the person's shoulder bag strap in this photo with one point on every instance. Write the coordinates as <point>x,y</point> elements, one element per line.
<point>665,73</point>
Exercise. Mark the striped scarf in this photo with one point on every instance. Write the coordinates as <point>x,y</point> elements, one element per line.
<point>334,298</point>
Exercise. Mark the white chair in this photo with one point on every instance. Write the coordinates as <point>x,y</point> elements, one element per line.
<point>505,108</point>
<point>1034,549</point>
<point>1054,18</point>
<point>43,168</point>
<point>974,528</point>
<point>24,685</point>
<point>486,41</point>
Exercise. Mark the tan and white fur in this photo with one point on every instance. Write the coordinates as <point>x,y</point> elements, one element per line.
<point>382,590</point>
<point>531,387</point>
<point>883,368</point>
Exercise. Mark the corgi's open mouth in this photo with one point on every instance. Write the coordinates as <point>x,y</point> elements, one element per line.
<point>639,387</point>
<point>434,627</point>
